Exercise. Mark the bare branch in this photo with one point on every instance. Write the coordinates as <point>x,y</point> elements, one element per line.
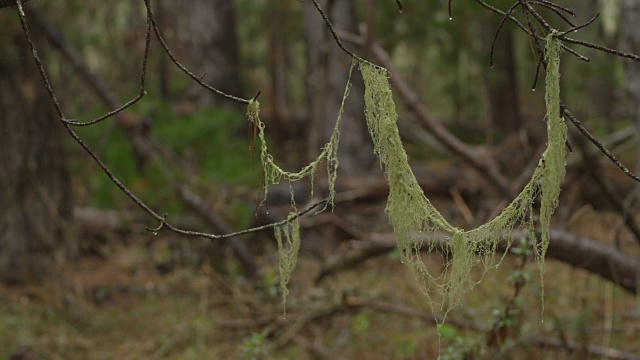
<point>75,59</point>
<point>495,37</point>
<point>335,36</point>
<point>556,9</point>
<point>7,3</point>
<point>193,76</point>
<point>531,31</point>
<point>161,219</point>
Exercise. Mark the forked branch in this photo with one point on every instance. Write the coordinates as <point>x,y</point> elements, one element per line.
<point>163,223</point>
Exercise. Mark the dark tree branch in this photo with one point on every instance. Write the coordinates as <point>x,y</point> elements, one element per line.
<point>400,8</point>
<point>7,3</point>
<point>530,30</point>
<point>194,77</point>
<point>579,252</point>
<point>336,38</point>
<point>495,37</point>
<point>62,118</point>
<point>219,224</point>
<point>555,9</point>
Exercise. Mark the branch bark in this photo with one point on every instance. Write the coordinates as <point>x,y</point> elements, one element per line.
<point>577,251</point>
<point>7,3</point>
<point>220,225</point>
<point>134,126</point>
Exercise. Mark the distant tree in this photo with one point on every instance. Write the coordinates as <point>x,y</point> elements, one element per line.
<point>327,73</point>
<point>35,196</point>
<point>213,47</point>
<point>502,82</point>
<point>630,38</point>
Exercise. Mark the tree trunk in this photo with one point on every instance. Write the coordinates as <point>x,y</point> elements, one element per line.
<point>502,83</point>
<point>630,41</point>
<point>34,183</point>
<point>213,49</point>
<point>328,68</point>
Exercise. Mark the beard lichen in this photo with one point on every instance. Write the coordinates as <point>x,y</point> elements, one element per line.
<point>413,217</point>
<point>288,238</point>
<point>289,245</point>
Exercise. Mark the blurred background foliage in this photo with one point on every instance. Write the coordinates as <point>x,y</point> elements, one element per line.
<point>445,61</point>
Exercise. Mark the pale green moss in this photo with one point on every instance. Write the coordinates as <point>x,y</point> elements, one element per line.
<point>412,214</point>
<point>414,217</point>
<point>273,174</point>
<point>554,157</point>
<point>288,238</point>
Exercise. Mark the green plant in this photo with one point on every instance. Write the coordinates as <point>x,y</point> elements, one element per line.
<point>256,347</point>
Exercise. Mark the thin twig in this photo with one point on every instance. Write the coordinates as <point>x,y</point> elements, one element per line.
<point>251,230</point>
<point>337,39</point>
<point>576,28</point>
<point>184,69</point>
<point>554,5</point>
<point>523,28</point>
<point>107,171</point>
<point>400,8</point>
<point>597,143</point>
<point>554,9</point>
<point>528,10</point>
<point>61,116</point>
<point>502,13</point>
<point>601,48</point>
<point>74,56</point>
<point>500,25</point>
<point>535,78</point>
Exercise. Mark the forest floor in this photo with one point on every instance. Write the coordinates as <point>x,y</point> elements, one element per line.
<point>121,301</point>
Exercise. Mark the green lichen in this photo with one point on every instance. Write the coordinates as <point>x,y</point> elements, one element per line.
<point>273,174</point>
<point>288,238</point>
<point>554,157</point>
<point>413,217</point>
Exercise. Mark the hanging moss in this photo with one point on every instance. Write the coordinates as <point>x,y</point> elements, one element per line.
<point>288,238</point>
<point>411,214</point>
<point>413,217</point>
<point>554,157</point>
<point>273,174</point>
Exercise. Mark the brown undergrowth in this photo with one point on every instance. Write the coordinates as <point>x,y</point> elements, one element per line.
<point>120,305</point>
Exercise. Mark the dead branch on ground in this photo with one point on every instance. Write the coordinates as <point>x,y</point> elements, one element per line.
<point>577,251</point>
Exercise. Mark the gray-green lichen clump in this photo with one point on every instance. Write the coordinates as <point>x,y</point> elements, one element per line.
<point>416,222</point>
<point>288,236</point>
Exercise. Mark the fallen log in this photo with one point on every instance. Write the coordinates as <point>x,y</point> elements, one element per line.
<point>580,252</point>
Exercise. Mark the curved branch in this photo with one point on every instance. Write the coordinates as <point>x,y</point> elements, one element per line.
<point>532,33</point>
<point>336,38</point>
<point>75,59</point>
<point>184,69</point>
<point>107,171</point>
